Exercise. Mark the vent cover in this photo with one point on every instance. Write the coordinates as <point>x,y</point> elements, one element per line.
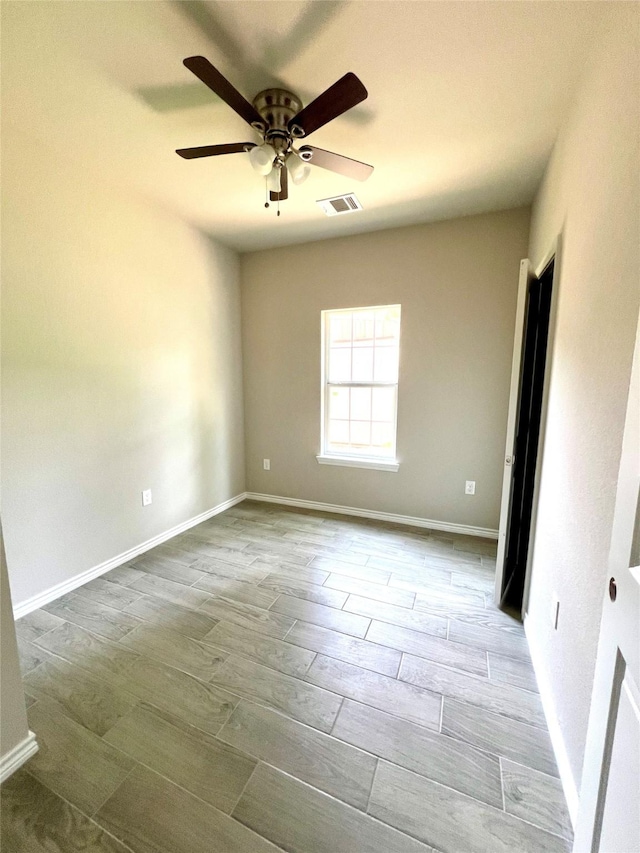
<point>340,204</point>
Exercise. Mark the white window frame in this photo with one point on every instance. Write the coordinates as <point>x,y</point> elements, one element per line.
<point>381,463</point>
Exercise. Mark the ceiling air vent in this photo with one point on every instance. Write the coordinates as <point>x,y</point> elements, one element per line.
<point>340,204</point>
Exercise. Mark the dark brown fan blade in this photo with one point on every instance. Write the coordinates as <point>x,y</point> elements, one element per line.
<point>344,94</point>
<point>214,150</point>
<point>336,163</point>
<point>284,187</point>
<point>212,78</point>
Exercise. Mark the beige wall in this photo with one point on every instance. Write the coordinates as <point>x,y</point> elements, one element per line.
<point>13,716</point>
<point>457,284</point>
<point>121,367</point>
<point>590,193</point>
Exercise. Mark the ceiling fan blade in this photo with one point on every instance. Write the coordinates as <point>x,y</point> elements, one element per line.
<point>284,187</point>
<point>215,150</point>
<point>344,94</point>
<point>335,163</point>
<point>212,78</point>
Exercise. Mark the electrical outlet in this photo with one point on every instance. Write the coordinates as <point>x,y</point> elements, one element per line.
<point>266,464</point>
<point>555,613</point>
<point>470,487</point>
<point>146,497</point>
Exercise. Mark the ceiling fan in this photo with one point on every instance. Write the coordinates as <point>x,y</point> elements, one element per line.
<point>279,118</point>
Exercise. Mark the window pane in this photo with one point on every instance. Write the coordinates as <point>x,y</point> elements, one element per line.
<point>381,438</point>
<point>363,328</point>
<point>361,433</point>
<point>339,432</point>
<point>362,365</point>
<point>339,365</point>
<point>388,324</point>
<point>386,364</point>
<point>361,404</point>
<point>339,403</point>
<point>384,404</point>
<point>362,348</point>
<point>340,329</point>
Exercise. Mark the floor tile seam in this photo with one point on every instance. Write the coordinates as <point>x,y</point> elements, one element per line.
<point>503,632</point>
<point>522,819</point>
<point>435,782</point>
<point>549,776</point>
<point>495,714</point>
<point>264,703</point>
<point>462,609</point>
<point>379,618</point>
<point>310,600</point>
<point>104,636</point>
<point>328,654</point>
<point>367,752</point>
<point>77,808</point>
<point>494,679</point>
<point>121,680</point>
<point>335,719</point>
<point>542,727</point>
<point>504,799</point>
<point>377,583</point>
<point>373,781</point>
<point>367,814</point>
<point>351,746</point>
<point>486,679</point>
<point>463,641</point>
<point>44,633</point>
<point>431,693</point>
<point>153,594</point>
<point>244,787</point>
<point>483,803</point>
<point>179,668</point>
<point>134,762</point>
<point>139,763</point>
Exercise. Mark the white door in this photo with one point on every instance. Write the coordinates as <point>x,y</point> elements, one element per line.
<point>526,274</point>
<point>609,809</point>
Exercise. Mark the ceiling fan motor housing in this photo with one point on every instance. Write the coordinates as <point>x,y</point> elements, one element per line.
<point>277,107</point>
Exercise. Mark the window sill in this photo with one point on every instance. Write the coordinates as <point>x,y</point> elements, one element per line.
<point>355,462</point>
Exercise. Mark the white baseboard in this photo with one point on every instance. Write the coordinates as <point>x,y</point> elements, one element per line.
<point>555,732</point>
<point>69,585</point>
<point>16,757</point>
<point>412,521</point>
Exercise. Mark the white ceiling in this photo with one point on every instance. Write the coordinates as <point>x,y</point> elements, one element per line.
<point>465,100</point>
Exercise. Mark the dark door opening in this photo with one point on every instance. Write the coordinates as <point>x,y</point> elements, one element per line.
<point>528,416</point>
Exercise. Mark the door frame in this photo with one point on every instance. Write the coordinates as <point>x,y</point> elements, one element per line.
<point>554,254</point>
<point>525,276</point>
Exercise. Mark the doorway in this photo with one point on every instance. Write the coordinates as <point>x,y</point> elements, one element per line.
<point>527,434</point>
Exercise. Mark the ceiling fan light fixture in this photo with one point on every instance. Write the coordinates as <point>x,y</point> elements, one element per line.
<point>298,169</point>
<point>273,180</point>
<point>261,158</point>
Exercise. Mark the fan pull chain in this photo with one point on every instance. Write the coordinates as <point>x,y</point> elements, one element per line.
<point>266,193</point>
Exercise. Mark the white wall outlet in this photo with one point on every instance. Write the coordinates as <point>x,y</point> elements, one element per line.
<point>266,464</point>
<point>146,497</point>
<point>555,613</point>
<point>470,487</point>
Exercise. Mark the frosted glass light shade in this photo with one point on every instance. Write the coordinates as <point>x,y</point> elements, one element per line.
<point>298,169</point>
<point>261,158</point>
<point>273,180</point>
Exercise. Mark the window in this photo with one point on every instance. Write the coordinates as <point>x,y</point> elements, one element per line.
<point>360,354</point>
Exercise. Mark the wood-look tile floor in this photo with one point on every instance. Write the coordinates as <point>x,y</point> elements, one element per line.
<point>284,680</point>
